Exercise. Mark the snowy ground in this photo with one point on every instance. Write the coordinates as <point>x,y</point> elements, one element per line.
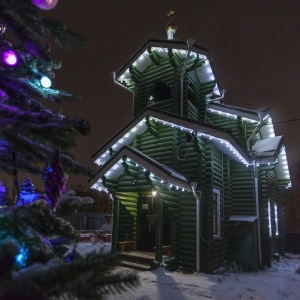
<point>282,281</point>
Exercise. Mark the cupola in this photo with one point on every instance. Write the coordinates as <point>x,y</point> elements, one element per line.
<point>171,26</point>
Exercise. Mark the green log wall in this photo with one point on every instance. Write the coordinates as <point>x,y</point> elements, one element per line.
<point>243,189</point>
<point>168,71</point>
<point>268,190</point>
<point>239,128</point>
<point>127,230</point>
<point>187,231</point>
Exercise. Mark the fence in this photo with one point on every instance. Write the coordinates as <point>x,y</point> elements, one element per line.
<point>87,221</point>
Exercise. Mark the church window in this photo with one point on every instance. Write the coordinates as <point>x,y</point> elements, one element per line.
<point>216,214</point>
<point>160,91</point>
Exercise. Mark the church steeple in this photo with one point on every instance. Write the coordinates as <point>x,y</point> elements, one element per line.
<point>170,75</point>
<point>171,26</point>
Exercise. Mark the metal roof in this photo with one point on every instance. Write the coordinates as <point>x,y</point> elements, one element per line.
<point>113,168</point>
<point>142,60</point>
<point>269,140</point>
<point>229,110</point>
<point>221,138</point>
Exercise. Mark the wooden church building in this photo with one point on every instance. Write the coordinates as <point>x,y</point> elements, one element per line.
<point>190,174</point>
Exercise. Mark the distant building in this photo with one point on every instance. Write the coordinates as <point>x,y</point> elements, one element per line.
<point>218,171</point>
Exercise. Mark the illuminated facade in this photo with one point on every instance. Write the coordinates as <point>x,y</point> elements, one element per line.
<point>218,170</point>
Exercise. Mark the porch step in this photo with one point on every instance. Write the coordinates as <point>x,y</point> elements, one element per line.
<point>137,260</point>
<point>135,266</point>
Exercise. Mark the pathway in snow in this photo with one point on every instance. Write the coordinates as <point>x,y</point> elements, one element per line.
<point>280,282</point>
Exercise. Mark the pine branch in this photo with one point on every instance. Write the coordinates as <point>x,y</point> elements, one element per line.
<point>85,278</point>
<point>64,37</point>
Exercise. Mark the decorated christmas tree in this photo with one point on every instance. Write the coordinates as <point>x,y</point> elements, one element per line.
<point>34,263</point>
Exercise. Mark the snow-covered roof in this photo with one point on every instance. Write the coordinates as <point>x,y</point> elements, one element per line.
<point>113,168</point>
<point>242,218</point>
<point>250,116</point>
<point>272,150</point>
<point>142,60</point>
<point>223,139</point>
<point>268,148</point>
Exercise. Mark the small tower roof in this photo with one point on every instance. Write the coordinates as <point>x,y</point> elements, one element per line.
<point>160,49</point>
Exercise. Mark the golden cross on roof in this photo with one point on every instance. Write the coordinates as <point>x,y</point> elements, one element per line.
<point>170,13</point>
<point>171,25</point>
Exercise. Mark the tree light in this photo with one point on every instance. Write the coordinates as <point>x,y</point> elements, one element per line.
<point>10,58</point>
<point>46,82</point>
<point>21,257</point>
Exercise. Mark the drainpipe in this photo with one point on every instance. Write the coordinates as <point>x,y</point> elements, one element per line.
<point>125,88</point>
<point>255,171</point>
<point>254,132</point>
<point>198,229</point>
<point>190,43</point>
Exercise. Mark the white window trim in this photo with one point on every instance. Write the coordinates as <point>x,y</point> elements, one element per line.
<point>269,218</point>
<point>276,219</point>
<point>218,235</point>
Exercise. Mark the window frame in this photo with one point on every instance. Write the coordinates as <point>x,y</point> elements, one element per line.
<point>276,219</point>
<point>270,219</point>
<point>216,214</point>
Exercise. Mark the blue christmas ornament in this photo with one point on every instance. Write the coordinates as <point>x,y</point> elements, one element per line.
<point>74,255</point>
<point>21,257</point>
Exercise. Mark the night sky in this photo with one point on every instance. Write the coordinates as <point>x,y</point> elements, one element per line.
<point>254,47</point>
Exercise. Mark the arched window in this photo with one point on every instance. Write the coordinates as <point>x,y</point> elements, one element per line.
<point>160,91</point>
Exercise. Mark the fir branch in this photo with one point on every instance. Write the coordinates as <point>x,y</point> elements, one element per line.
<point>63,36</point>
<point>84,278</point>
<point>44,152</point>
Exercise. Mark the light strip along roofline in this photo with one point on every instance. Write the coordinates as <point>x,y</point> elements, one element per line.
<point>165,173</point>
<point>241,112</point>
<point>172,44</point>
<point>137,126</point>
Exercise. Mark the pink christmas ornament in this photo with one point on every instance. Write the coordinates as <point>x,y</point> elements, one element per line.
<point>45,4</point>
<point>10,58</point>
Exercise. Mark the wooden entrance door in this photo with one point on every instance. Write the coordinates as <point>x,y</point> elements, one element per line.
<point>147,233</point>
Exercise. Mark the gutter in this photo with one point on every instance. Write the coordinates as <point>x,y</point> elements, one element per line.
<point>212,101</point>
<point>190,43</point>
<point>256,129</point>
<point>125,88</point>
<point>119,84</point>
<point>198,224</point>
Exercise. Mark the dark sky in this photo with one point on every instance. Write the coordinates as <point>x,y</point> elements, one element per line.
<point>254,46</point>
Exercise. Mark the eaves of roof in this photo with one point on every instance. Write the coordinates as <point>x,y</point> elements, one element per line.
<point>241,112</point>
<point>222,138</point>
<point>141,60</point>
<point>171,44</point>
<point>113,168</point>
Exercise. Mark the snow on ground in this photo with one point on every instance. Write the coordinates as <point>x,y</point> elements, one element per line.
<point>87,247</point>
<point>281,281</point>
